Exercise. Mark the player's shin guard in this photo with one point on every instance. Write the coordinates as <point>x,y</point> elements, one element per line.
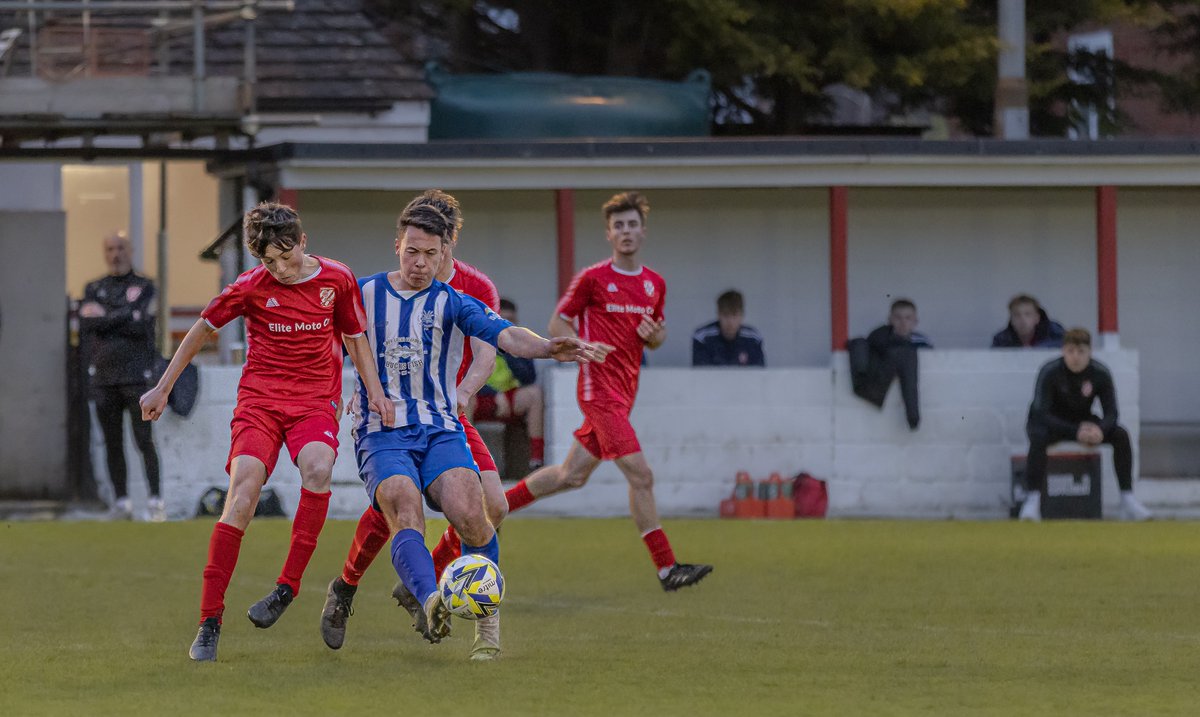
<point>518,497</point>
<point>659,547</point>
<point>369,538</point>
<point>223,548</point>
<point>491,551</point>
<point>306,527</point>
<point>413,563</point>
<point>448,548</point>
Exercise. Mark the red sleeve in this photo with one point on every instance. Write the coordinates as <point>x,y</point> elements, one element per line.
<point>662,301</point>
<point>491,296</point>
<point>572,303</point>
<point>227,306</point>
<point>349,318</point>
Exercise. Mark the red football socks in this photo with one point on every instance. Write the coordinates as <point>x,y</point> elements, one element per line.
<point>537,449</point>
<point>306,526</point>
<point>370,536</point>
<point>518,497</point>
<point>448,548</point>
<point>660,548</point>
<point>223,548</point>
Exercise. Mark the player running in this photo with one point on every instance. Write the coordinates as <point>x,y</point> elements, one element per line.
<point>416,325</point>
<point>373,532</point>
<point>298,307</point>
<point>620,302</point>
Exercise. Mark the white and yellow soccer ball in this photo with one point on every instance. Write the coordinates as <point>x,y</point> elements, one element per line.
<point>472,587</point>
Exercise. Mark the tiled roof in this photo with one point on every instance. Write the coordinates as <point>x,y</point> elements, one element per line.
<point>326,55</point>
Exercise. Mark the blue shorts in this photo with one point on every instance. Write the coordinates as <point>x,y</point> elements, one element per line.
<point>422,453</point>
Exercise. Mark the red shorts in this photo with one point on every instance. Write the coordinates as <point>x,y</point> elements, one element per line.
<point>606,432</point>
<point>486,408</point>
<point>258,430</point>
<point>479,449</point>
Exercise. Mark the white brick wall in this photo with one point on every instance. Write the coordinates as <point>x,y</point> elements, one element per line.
<point>699,426</point>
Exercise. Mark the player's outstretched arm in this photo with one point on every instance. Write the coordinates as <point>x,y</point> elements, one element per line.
<point>520,341</point>
<point>359,350</point>
<point>154,401</point>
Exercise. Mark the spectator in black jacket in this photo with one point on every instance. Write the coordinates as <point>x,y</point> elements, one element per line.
<point>890,352</point>
<point>117,322</point>
<point>1028,326</point>
<point>1063,397</point>
<point>727,341</point>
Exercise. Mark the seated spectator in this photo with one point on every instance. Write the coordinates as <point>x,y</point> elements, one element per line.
<point>727,341</point>
<point>889,352</point>
<point>1028,326</point>
<point>1063,397</point>
<point>512,394</point>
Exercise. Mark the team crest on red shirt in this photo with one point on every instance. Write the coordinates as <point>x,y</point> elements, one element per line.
<point>327,295</point>
<point>649,287</point>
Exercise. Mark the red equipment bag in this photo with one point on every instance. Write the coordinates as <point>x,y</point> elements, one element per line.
<point>811,496</point>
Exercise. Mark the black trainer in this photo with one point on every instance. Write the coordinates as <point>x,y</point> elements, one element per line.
<point>337,609</point>
<point>684,574</point>
<point>265,612</point>
<point>204,647</point>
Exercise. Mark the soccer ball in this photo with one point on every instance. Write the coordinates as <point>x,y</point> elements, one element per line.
<point>472,587</point>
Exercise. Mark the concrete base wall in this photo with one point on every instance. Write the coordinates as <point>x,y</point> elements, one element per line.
<point>699,426</point>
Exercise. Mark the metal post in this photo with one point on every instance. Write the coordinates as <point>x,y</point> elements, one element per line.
<point>564,206</point>
<point>1012,93</point>
<point>164,44</point>
<point>1106,265</point>
<point>137,212</point>
<point>198,103</point>
<point>33,44</point>
<point>839,303</point>
<point>164,307</point>
<point>250,58</point>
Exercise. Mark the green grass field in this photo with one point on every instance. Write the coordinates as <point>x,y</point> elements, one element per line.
<point>839,617</point>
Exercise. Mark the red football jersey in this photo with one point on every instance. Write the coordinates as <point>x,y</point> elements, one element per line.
<point>609,305</point>
<point>468,280</point>
<point>294,331</point>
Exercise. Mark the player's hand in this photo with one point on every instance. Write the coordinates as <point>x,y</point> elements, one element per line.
<point>91,310</point>
<point>339,410</point>
<point>1089,434</point>
<point>383,405</point>
<point>153,403</point>
<point>570,348</point>
<point>651,331</point>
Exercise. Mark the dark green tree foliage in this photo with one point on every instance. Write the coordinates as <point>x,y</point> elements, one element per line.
<point>771,59</point>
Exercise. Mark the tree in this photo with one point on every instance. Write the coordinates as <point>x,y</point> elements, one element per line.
<point>772,60</point>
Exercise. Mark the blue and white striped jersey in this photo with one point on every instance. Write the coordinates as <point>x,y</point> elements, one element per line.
<point>417,338</point>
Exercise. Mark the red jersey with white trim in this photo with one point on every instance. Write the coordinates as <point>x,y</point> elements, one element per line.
<point>293,331</point>
<point>609,304</point>
<point>468,280</point>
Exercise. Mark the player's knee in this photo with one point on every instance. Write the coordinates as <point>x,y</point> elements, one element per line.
<point>574,478</point>
<point>316,472</point>
<point>641,480</point>
<point>497,511</point>
<point>240,504</point>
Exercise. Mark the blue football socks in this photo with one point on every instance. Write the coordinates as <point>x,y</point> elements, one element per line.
<point>414,564</point>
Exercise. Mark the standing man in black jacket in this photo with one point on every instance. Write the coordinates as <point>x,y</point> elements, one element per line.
<point>117,321</point>
<point>1066,389</point>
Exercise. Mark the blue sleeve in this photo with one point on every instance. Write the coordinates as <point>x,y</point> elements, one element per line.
<point>474,318</point>
<point>522,369</point>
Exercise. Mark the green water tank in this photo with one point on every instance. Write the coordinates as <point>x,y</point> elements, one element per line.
<point>535,105</point>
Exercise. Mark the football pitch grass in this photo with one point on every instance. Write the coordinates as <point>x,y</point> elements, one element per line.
<point>821,617</point>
